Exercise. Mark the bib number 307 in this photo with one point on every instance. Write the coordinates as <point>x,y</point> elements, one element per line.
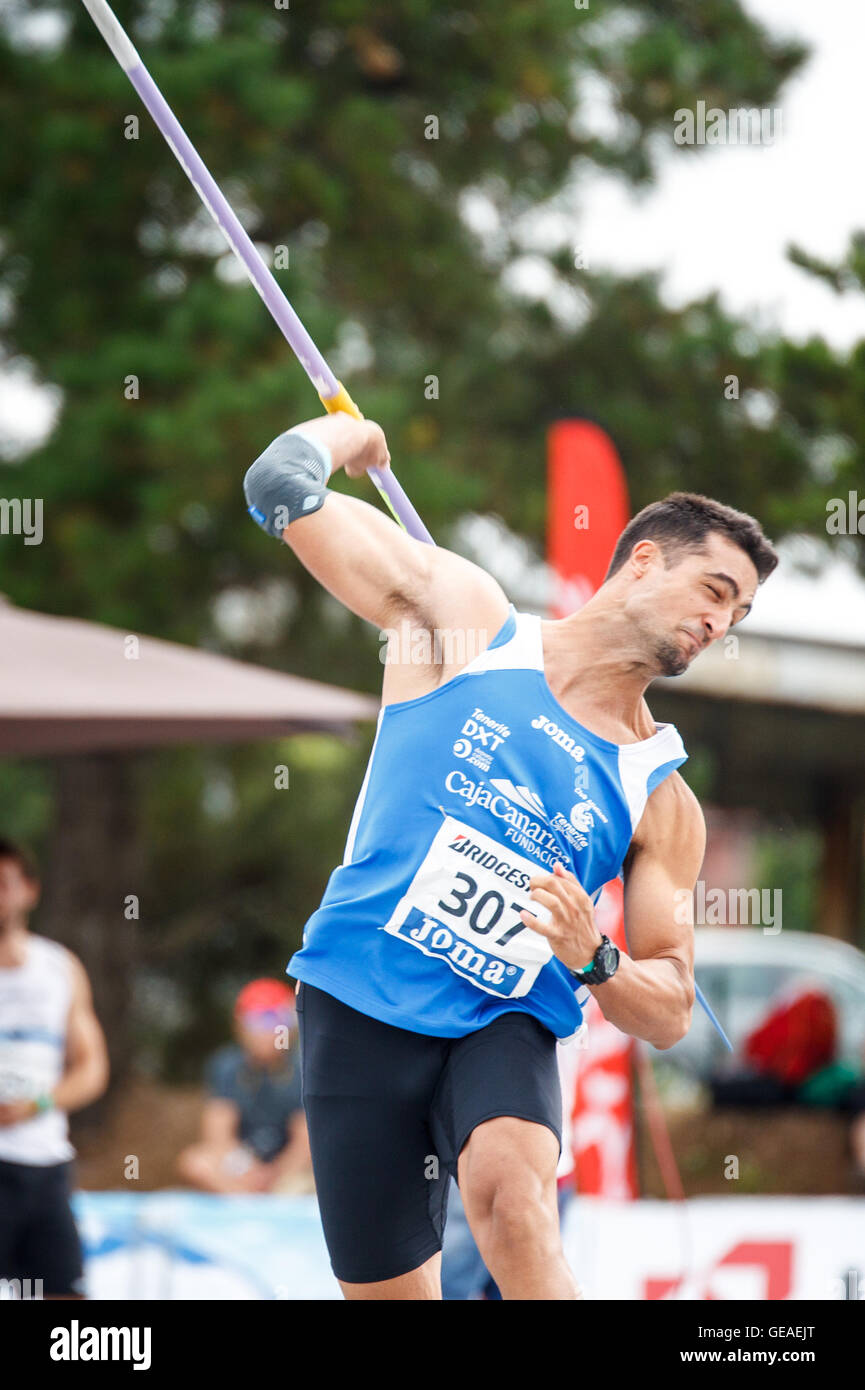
<point>463,907</point>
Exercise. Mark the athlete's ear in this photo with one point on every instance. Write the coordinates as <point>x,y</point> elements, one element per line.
<point>642,556</point>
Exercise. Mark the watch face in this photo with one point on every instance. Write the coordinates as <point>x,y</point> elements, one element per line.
<point>607,957</point>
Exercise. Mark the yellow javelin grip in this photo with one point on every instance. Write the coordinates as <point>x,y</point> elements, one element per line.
<point>343,401</point>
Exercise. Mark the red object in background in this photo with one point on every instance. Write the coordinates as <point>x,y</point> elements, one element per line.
<point>264,996</point>
<point>587,510</point>
<point>797,1038</point>
<point>773,1257</point>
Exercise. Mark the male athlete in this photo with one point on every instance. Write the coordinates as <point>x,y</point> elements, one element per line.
<point>53,1059</point>
<point>515,771</point>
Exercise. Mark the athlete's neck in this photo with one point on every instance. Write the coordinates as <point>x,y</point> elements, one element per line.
<point>13,942</point>
<point>596,668</point>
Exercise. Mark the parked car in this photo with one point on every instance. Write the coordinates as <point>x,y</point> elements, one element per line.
<point>742,970</point>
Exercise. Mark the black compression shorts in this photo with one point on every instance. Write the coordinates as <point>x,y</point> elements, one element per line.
<point>388,1113</point>
<point>38,1237</point>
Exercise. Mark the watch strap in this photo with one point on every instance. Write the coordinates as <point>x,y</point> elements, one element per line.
<point>587,975</point>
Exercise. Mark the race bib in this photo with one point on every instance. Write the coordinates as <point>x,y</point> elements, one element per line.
<point>463,906</point>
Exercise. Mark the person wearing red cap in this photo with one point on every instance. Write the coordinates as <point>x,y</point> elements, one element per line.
<point>253,1131</point>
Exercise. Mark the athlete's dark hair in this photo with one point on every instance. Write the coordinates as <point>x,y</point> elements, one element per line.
<point>680,525</point>
<point>10,849</point>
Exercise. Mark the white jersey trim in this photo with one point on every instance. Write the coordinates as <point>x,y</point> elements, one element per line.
<point>521,652</point>
<point>637,762</point>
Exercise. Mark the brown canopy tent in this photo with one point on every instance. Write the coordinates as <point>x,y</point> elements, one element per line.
<point>88,697</point>
<point>68,686</point>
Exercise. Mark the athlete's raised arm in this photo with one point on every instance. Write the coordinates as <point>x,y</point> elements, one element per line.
<point>359,554</point>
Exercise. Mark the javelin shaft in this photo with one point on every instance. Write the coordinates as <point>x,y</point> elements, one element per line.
<point>332,394</point>
<point>712,1019</point>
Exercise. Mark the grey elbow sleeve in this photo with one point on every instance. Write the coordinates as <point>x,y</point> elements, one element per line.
<point>287,481</point>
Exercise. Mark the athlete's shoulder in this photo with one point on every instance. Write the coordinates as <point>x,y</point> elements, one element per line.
<point>672,816</point>
<point>54,953</point>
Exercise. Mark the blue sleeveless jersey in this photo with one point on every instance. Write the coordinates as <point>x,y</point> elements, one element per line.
<point>469,791</point>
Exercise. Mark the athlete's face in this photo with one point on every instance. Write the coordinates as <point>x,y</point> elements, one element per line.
<point>683,609</point>
<point>18,895</point>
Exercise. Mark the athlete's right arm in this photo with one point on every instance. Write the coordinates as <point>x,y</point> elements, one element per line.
<point>367,561</point>
<point>86,1067</point>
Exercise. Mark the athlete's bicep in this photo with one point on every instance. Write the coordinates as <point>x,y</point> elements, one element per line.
<point>465,605</point>
<point>363,558</point>
<point>660,874</point>
<point>399,583</point>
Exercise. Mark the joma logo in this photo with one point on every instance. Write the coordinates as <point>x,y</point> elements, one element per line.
<point>435,939</point>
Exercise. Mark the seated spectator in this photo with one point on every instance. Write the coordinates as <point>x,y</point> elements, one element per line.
<point>253,1129</point>
<point>53,1060</point>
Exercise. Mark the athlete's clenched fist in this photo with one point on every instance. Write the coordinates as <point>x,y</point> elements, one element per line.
<point>571,930</point>
<point>370,449</point>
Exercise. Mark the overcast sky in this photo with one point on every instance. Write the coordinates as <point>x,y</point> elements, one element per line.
<point>722,220</point>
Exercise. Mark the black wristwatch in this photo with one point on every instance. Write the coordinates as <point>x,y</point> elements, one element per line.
<point>602,966</point>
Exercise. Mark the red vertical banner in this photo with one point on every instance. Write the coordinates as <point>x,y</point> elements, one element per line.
<point>587,512</point>
<point>602,1114</point>
<point>588,509</point>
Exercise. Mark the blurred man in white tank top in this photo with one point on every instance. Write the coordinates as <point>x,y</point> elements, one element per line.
<point>53,1059</point>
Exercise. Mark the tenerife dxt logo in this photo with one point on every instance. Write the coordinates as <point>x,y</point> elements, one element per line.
<point>479,738</point>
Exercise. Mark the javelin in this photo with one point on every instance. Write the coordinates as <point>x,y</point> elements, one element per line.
<point>331,392</point>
